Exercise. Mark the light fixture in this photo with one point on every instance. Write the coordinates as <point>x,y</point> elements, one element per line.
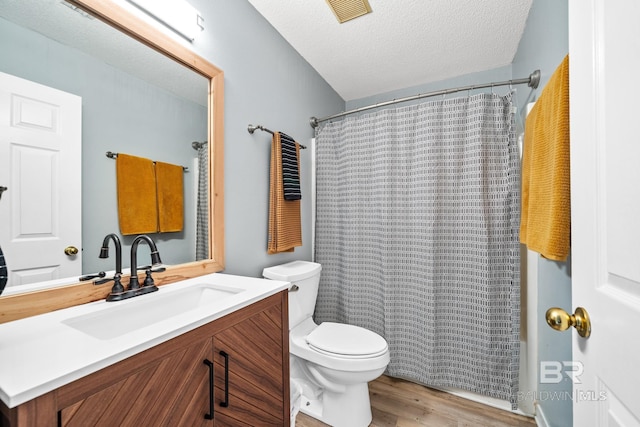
<point>77,10</point>
<point>178,15</point>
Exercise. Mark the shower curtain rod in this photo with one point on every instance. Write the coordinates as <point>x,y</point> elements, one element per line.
<point>196,145</point>
<point>532,81</point>
<point>251,129</point>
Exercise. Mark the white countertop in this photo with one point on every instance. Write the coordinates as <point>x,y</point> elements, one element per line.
<point>41,353</point>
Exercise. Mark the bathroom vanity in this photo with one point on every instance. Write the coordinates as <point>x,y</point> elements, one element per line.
<point>212,350</point>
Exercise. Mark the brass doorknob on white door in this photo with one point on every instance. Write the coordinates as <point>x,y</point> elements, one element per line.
<point>70,250</point>
<point>560,320</point>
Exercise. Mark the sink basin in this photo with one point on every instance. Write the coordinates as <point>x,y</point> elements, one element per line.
<point>127,316</point>
<point>83,339</point>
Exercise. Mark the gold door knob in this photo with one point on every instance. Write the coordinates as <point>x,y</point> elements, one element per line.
<point>560,320</point>
<point>70,250</point>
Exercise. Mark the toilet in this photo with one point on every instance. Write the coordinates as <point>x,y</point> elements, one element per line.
<point>331,363</point>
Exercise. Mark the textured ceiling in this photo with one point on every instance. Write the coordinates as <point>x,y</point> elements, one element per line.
<point>402,43</point>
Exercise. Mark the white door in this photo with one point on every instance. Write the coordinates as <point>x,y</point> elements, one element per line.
<point>40,165</point>
<point>604,55</point>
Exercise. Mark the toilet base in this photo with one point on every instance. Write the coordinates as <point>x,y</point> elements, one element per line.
<point>350,408</point>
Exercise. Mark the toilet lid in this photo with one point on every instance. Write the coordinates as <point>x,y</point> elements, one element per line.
<point>347,340</point>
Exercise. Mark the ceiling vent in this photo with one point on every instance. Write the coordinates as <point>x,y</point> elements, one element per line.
<point>346,10</point>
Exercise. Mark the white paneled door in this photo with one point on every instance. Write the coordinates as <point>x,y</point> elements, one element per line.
<point>40,166</point>
<point>604,55</point>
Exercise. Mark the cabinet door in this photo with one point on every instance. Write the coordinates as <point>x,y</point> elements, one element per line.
<point>173,391</point>
<point>249,372</point>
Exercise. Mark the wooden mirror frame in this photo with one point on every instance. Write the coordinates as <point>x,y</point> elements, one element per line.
<point>18,306</point>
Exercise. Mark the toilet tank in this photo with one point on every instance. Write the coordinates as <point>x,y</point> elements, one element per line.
<point>304,277</point>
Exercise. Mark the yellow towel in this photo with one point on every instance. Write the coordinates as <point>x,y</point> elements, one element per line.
<point>137,203</point>
<point>285,230</point>
<point>545,222</point>
<point>170,190</point>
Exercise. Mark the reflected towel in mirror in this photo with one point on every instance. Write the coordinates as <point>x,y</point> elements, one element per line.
<point>137,202</point>
<point>170,189</point>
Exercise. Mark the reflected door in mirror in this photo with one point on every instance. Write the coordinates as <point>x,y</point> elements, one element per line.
<point>40,157</point>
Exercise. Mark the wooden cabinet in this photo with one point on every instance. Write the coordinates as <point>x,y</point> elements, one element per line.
<point>171,391</point>
<point>249,383</point>
<point>170,384</point>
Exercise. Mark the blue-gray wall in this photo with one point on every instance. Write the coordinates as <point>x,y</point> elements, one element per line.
<point>268,83</point>
<point>544,44</point>
<point>493,75</point>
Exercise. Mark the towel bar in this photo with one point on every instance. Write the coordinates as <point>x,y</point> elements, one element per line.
<point>112,155</point>
<point>251,129</point>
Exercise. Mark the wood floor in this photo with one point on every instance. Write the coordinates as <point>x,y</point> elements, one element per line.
<point>399,403</point>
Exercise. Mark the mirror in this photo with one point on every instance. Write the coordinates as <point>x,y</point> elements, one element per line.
<point>197,107</point>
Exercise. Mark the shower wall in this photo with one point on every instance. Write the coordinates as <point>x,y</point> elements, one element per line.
<point>266,83</point>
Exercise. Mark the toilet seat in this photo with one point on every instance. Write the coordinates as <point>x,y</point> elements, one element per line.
<point>346,341</point>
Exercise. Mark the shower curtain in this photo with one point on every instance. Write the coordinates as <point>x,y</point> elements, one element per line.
<point>202,207</point>
<point>417,234</point>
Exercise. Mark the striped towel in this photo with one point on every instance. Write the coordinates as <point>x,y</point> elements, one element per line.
<point>290,172</point>
<point>4,276</point>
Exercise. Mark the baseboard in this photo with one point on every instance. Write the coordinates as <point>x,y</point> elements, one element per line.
<point>541,420</point>
<point>485,400</point>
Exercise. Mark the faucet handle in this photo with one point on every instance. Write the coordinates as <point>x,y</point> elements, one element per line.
<point>117,284</point>
<point>148,280</point>
<point>149,285</point>
<point>150,267</point>
<point>101,281</point>
<point>92,276</point>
